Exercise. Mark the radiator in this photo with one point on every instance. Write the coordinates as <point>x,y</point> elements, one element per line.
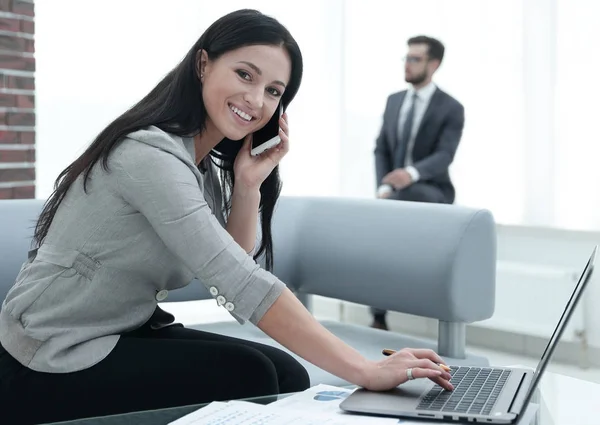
<point>530,299</point>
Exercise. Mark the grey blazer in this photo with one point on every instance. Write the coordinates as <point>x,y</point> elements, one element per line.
<point>150,224</point>
<point>435,143</point>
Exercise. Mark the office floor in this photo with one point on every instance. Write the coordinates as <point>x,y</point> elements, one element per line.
<point>207,311</point>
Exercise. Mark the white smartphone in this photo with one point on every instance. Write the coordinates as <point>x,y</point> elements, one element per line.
<point>268,136</point>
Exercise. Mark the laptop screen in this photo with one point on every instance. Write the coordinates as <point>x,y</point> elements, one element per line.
<point>562,323</point>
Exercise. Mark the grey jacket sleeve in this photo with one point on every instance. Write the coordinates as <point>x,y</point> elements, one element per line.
<point>166,191</point>
<point>439,161</point>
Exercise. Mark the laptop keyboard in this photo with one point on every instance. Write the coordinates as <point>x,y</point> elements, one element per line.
<point>476,390</point>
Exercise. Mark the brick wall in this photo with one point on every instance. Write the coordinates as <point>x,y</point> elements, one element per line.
<point>17,100</point>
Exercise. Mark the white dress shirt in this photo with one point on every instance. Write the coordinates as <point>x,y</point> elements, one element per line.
<point>422,99</point>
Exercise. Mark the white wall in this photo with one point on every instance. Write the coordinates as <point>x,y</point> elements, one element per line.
<point>556,248</point>
<point>576,111</point>
<point>95,59</point>
<point>523,70</point>
<point>482,68</point>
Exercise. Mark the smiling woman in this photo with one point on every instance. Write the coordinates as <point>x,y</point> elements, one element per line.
<point>243,88</point>
<point>237,83</point>
<point>140,213</point>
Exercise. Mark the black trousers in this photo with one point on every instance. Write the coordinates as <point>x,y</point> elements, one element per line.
<point>420,192</point>
<point>149,369</point>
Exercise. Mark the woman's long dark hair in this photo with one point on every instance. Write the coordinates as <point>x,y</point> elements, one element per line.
<point>175,105</point>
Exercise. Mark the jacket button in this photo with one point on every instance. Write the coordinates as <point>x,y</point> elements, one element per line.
<point>214,291</point>
<point>229,306</point>
<point>162,295</point>
<point>221,300</point>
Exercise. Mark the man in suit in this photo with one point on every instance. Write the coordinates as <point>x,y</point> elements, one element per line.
<point>421,129</point>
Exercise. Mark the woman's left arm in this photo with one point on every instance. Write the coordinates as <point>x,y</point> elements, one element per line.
<point>243,217</point>
<point>250,172</point>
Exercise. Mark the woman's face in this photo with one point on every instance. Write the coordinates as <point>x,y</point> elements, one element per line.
<point>242,88</point>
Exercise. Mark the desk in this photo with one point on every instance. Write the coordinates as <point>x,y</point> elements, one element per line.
<point>568,401</point>
<point>563,401</point>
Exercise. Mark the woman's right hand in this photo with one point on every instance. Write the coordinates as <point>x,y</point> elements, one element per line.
<point>288,322</point>
<point>392,371</point>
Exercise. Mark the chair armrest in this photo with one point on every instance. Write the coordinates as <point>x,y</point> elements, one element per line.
<point>430,260</point>
<point>18,218</point>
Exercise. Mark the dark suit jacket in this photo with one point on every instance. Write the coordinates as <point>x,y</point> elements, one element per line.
<point>435,143</point>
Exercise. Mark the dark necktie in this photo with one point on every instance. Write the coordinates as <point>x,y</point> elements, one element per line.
<point>405,136</point>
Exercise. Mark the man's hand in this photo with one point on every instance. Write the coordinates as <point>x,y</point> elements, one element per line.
<point>399,178</point>
<point>384,191</point>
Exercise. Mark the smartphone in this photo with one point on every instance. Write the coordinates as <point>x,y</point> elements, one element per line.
<point>268,136</point>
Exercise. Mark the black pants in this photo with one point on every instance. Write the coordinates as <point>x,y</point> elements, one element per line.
<point>149,369</point>
<point>420,192</point>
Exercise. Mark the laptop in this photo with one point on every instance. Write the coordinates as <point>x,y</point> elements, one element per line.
<point>493,395</point>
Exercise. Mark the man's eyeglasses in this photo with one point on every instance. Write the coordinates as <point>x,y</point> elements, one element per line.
<point>413,59</point>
